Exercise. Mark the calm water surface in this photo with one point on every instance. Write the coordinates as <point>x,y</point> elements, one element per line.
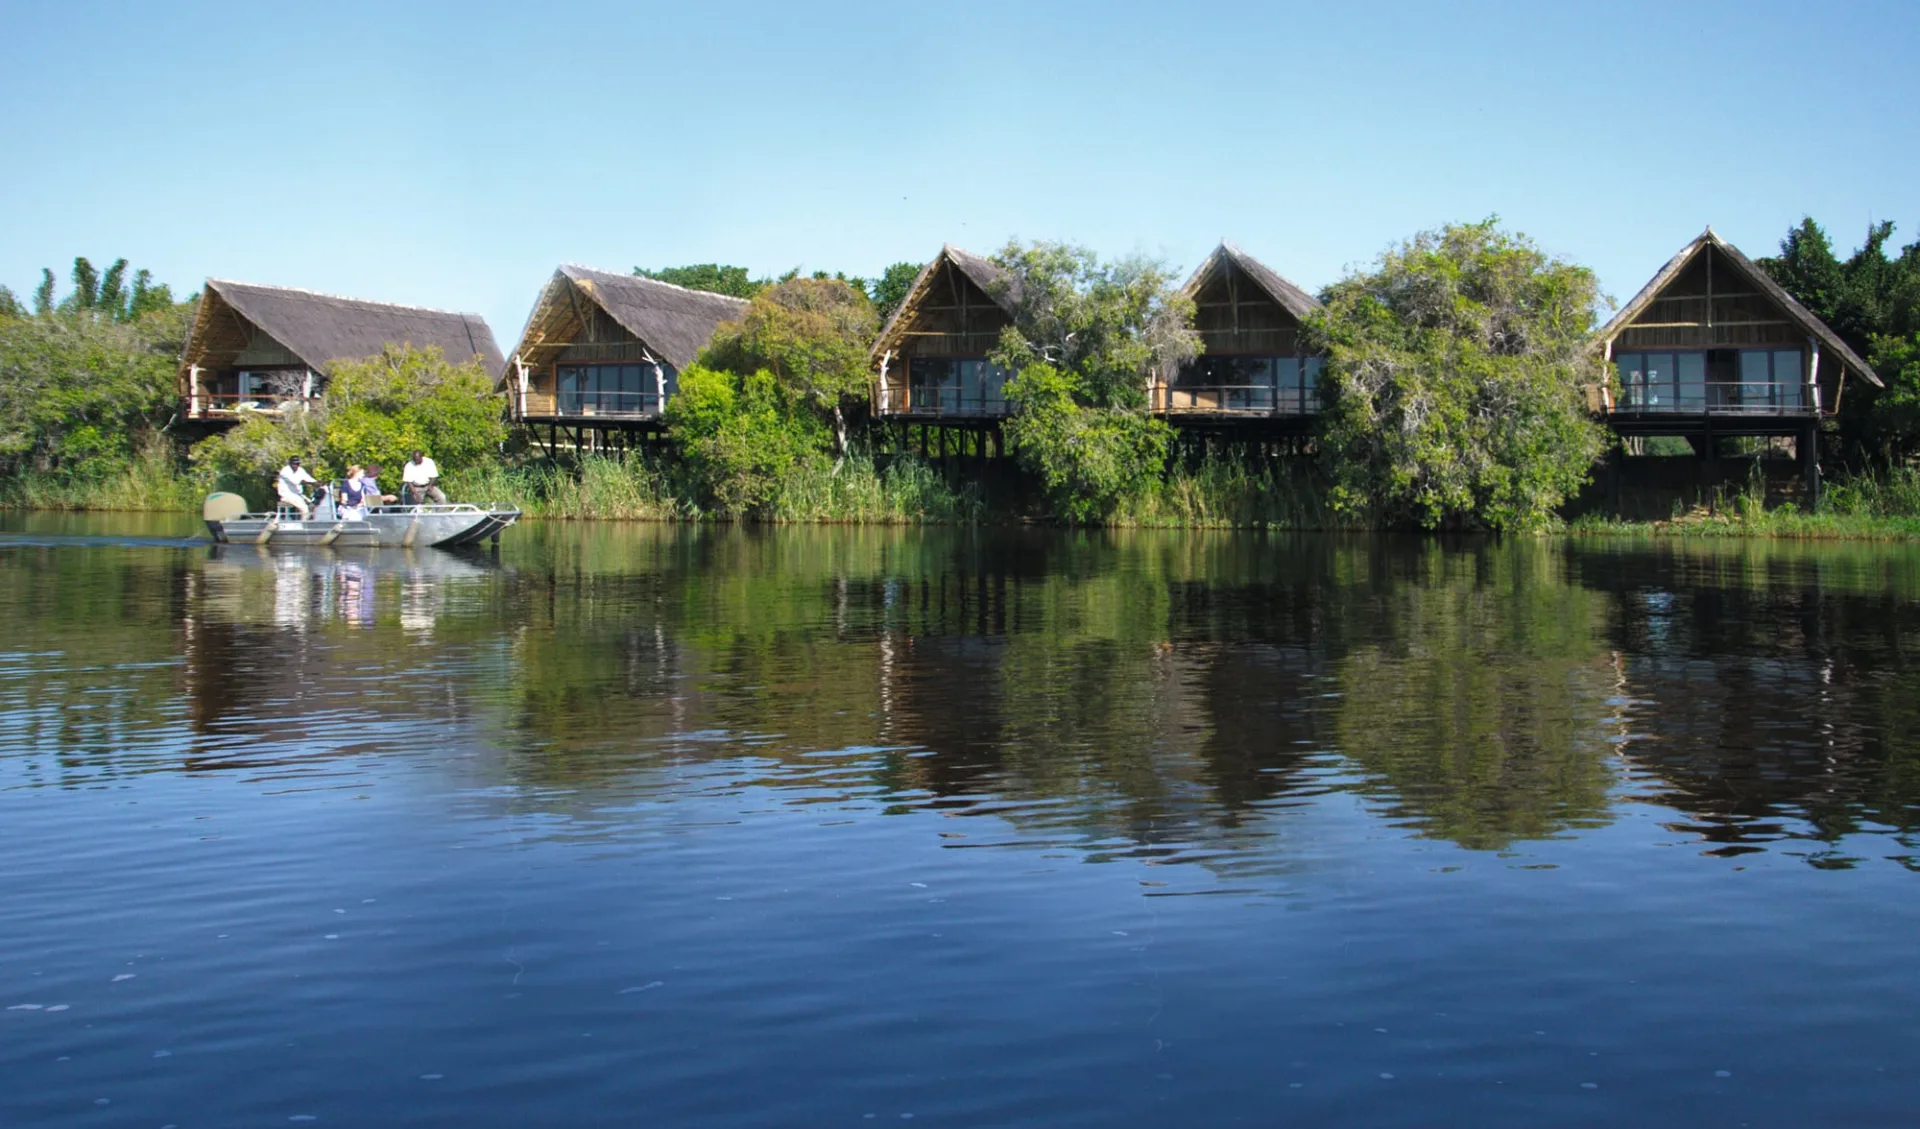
<point>655,826</point>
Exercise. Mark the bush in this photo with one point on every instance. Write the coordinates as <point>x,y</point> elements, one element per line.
<point>742,437</point>
<point>1454,383</point>
<point>1089,460</point>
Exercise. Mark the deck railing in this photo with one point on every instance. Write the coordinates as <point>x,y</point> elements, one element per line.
<point>221,405</point>
<point>610,405</point>
<point>1715,397</point>
<point>1236,399</point>
<point>953,403</point>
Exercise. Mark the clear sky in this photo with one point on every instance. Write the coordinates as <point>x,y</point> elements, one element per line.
<point>453,154</point>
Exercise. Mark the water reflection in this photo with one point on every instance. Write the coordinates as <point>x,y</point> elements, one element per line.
<point>1161,696</point>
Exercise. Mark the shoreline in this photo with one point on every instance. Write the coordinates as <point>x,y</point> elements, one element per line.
<point>1774,526</point>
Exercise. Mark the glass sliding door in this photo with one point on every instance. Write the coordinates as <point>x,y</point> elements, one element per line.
<point>1721,380</point>
<point>956,386</point>
<point>614,389</point>
<point>1789,381</point>
<point>1691,369</point>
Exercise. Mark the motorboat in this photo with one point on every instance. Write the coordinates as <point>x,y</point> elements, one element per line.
<point>439,525</point>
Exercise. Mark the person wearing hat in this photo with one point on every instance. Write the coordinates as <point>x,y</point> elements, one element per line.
<point>289,486</point>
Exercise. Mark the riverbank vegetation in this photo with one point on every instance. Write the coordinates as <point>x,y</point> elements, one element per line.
<point>1872,505</point>
<point>1458,374</point>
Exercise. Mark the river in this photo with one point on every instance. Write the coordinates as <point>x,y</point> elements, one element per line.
<point>658,825</point>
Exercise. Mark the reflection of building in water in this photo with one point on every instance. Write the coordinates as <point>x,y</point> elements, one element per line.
<point>1760,705</point>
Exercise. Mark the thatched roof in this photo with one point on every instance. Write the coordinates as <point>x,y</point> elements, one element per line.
<point>996,283</point>
<point>672,322</point>
<point>1751,272</point>
<point>322,328</point>
<point>1291,298</point>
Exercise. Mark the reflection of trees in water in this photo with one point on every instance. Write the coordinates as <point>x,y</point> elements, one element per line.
<point>1774,695</point>
<point>1477,692</point>
<point>89,666</point>
<point>1140,690</point>
<point>1133,693</point>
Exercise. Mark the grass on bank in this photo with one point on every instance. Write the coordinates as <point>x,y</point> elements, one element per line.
<point>149,481</point>
<point>1881,506</point>
<point>905,491</point>
<point>1233,494</point>
<point>1215,494</point>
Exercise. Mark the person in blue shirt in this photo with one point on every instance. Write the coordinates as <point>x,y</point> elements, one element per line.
<point>353,495</point>
<point>374,495</point>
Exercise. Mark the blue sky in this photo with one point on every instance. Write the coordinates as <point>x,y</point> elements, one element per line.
<point>452,154</point>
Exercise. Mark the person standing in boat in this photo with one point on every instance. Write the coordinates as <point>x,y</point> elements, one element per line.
<point>353,496</point>
<point>290,485</point>
<point>422,480</point>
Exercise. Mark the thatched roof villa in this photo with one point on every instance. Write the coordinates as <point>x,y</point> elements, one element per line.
<point>1253,365</point>
<point>1712,345</point>
<point>263,348</point>
<point>604,351</point>
<point>930,361</point>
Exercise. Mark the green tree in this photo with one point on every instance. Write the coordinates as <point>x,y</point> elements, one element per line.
<point>147,297</point>
<point>1089,460</point>
<point>741,437</point>
<point>1454,383</point>
<point>1086,338</point>
<point>1108,326</point>
<point>86,287</point>
<point>78,391</point>
<point>1872,300</point>
<point>107,296</point>
<point>813,335</point>
<point>890,289</point>
<point>111,299</point>
<point>714,278</point>
<point>376,409</point>
<point>10,306</point>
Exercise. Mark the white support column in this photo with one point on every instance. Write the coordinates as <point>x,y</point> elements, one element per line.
<point>520,382</point>
<point>193,391</point>
<point>886,394</point>
<point>659,378</point>
<point>1813,374</point>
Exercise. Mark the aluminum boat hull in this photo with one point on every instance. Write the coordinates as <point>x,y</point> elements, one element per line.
<point>390,527</point>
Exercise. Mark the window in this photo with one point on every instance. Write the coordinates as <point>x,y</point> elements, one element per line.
<point>622,389</point>
<point>1746,380</point>
<point>1756,379</point>
<point>1789,380</point>
<point>1289,385</point>
<point>956,386</point>
<point>1692,371</point>
<point>267,384</point>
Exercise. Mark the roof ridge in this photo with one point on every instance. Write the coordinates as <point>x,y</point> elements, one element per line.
<point>631,277</point>
<point>341,297</point>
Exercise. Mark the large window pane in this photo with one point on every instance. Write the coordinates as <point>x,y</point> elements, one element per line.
<point>1756,378</point>
<point>1659,382</point>
<point>1286,381</point>
<point>1789,378</point>
<point>925,377</point>
<point>1251,383</point>
<point>1631,367</point>
<point>1692,371</point>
